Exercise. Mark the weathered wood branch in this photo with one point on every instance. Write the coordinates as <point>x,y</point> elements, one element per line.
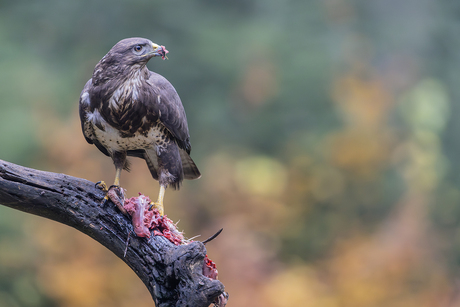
<point>173,274</point>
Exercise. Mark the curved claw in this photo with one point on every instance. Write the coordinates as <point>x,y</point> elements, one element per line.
<point>114,186</point>
<point>158,206</point>
<point>159,203</point>
<point>105,200</point>
<point>101,185</point>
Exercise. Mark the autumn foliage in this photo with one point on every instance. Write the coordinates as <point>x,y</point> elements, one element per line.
<point>326,133</point>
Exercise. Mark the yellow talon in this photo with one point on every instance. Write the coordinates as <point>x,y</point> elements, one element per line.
<point>101,185</point>
<point>159,203</point>
<point>158,206</point>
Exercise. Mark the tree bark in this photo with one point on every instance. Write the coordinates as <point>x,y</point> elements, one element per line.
<point>173,274</point>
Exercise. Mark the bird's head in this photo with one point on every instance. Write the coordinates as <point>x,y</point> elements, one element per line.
<point>137,50</point>
<point>126,56</point>
<point>132,51</point>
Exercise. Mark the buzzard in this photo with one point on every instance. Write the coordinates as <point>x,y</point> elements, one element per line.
<point>127,110</point>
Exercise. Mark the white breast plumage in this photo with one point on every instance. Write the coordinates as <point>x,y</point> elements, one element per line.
<point>111,139</point>
<point>130,88</point>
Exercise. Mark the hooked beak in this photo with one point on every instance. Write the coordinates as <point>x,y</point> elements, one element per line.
<point>159,51</point>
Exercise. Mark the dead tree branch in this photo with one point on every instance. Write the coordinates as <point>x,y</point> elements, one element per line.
<point>173,274</point>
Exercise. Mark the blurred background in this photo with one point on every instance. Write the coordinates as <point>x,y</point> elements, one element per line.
<point>327,134</point>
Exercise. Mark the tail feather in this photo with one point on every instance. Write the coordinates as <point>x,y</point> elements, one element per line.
<point>189,168</point>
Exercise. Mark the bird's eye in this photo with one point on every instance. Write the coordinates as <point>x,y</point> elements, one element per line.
<point>138,48</point>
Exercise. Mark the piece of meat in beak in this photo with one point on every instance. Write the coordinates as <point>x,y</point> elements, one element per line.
<point>160,51</point>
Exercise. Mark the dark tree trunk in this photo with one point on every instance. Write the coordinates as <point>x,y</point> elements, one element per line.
<point>173,274</point>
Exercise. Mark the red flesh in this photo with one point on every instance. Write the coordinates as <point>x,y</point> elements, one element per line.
<point>145,220</point>
<point>163,52</point>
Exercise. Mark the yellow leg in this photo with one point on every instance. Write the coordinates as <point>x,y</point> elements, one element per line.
<point>116,181</point>
<point>159,203</point>
<point>103,186</point>
<point>117,176</point>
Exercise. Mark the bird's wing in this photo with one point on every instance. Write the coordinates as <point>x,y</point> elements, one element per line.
<point>87,129</point>
<point>165,104</point>
<point>84,104</point>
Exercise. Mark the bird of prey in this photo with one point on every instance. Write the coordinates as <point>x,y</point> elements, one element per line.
<point>127,110</point>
